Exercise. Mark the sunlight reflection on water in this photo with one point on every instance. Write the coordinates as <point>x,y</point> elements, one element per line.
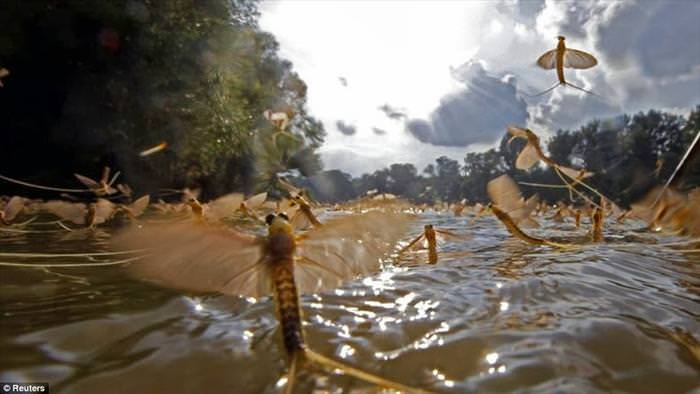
<point>493,315</point>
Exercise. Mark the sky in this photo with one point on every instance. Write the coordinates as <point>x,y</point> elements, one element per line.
<point>409,81</point>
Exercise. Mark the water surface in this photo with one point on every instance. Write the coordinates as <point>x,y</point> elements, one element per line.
<point>494,315</point>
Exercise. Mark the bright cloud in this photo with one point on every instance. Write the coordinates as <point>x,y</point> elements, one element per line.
<point>365,60</point>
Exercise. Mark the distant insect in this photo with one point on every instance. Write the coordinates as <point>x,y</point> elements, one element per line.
<point>3,73</point>
<point>565,57</point>
<point>430,235</point>
<point>160,147</point>
<point>280,120</point>
<point>201,257</point>
<point>104,186</point>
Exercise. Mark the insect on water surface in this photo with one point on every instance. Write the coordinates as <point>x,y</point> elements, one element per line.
<point>195,255</point>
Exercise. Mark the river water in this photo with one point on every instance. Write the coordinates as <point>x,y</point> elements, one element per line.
<point>493,315</point>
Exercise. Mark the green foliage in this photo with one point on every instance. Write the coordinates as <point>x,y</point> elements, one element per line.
<point>130,74</point>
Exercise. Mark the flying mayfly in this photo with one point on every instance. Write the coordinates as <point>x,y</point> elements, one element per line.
<point>202,257</point>
<point>562,57</point>
<point>103,186</point>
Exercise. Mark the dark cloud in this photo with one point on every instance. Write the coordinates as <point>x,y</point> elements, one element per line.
<point>660,36</point>
<point>378,131</point>
<point>391,112</point>
<point>345,128</point>
<point>477,114</point>
<point>343,81</point>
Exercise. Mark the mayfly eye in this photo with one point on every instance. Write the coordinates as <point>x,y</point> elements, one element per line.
<point>269,218</point>
<point>284,216</point>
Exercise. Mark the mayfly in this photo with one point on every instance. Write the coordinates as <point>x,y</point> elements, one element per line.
<point>103,186</point>
<point>430,235</point>
<point>280,120</point>
<point>562,57</point>
<point>532,154</point>
<point>90,214</point>
<point>200,257</point>
<point>160,147</point>
<point>520,234</point>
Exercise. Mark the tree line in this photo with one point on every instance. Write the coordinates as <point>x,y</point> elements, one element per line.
<point>628,156</point>
<point>94,83</point>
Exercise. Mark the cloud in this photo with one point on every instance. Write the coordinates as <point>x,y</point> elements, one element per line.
<point>479,113</point>
<point>378,131</point>
<point>345,128</point>
<point>391,112</point>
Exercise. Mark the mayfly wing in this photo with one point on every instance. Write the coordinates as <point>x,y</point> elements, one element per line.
<point>73,212</point>
<point>198,257</point>
<point>137,207</point>
<point>104,210</point>
<point>256,201</point>
<point>574,58</point>
<point>548,61</point>
<point>300,221</point>
<point>223,206</point>
<point>527,158</point>
<point>504,193</point>
<point>91,184</point>
<point>347,248</point>
<point>13,208</point>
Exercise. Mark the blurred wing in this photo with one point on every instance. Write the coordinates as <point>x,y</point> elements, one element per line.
<point>198,257</point>
<point>223,206</point>
<point>13,208</point>
<point>74,212</point>
<point>504,193</point>
<point>548,61</point>
<point>574,58</point>
<point>300,221</point>
<point>444,235</point>
<point>104,209</point>
<point>256,201</point>
<point>87,181</point>
<point>347,248</point>
<point>140,205</point>
<point>527,158</point>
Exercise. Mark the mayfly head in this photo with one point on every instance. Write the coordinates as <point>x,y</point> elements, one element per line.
<point>280,239</point>
<point>561,38</point>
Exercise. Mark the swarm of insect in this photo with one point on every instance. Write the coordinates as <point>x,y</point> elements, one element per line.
<point>202,257</point>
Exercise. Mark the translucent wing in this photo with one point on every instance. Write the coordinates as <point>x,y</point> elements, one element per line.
<point>87,181</point>
<point>73,212</point>
<point>574,58</point>
<point>13,208</point>
<point>346,248</point>
<point>137,207</point>
<point>198,257</point>
<point>517,132</point>
<point>504,193</point>
<point>527,158</point>
<point>223,206</point>
<point>256,201</point>
<point>104,210</point>
<point>548,61</point>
